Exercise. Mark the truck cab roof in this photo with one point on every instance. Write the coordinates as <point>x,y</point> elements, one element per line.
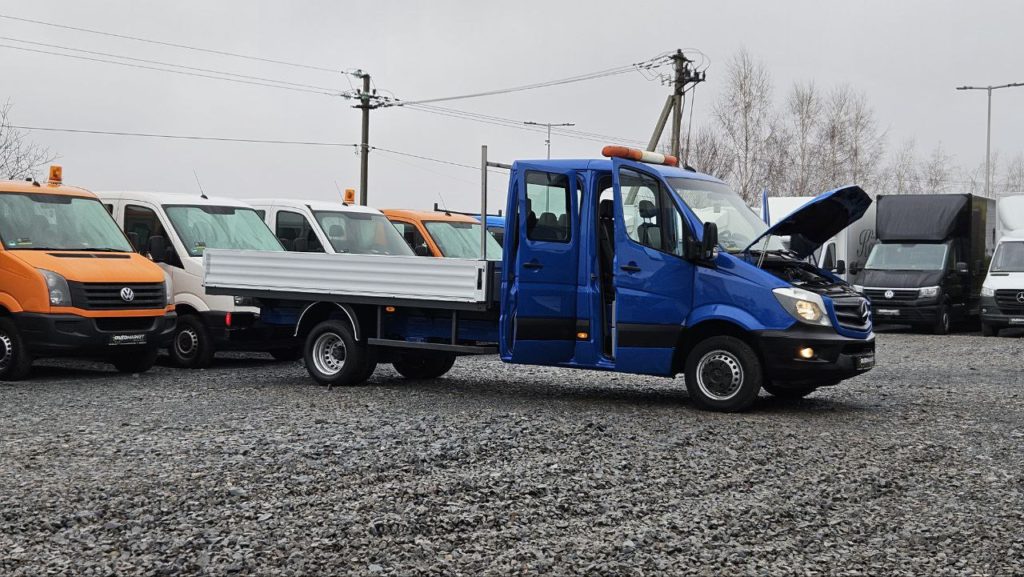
<point>605,164</point>
<point>27,187</point>
<point>314,205</point>
<point>174,198</point>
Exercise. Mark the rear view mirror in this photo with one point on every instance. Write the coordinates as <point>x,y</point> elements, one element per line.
<point>961,267</point>
<point>709,242</point>
<point>854,269</point>
<point>422,250</point>
<point>840,267</point>
<point>157,248</point>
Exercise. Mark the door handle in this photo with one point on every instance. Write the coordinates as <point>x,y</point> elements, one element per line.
<point>631,267</point>
<point>533,264</point>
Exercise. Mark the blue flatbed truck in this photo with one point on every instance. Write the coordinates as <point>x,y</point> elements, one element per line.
<point>609,264</point>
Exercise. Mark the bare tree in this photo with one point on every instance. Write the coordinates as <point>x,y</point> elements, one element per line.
<point>1013,177</point>
<point>865,143</point>
<point>902,175</point>
<point>937,172</point>
<point>803,112</point>
<point>19,158</point>
<point>744,113</point>
<point>710,155</point>
<point>832,141</point>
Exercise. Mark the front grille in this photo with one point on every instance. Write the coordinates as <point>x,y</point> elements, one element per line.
<point>877,295</point>
<point>103,296</point>
<point>852,313</point>
<point>118,324</point>
<point>1010,301</point>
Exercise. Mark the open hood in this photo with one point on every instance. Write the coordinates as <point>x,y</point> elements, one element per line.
<point>823,217</point>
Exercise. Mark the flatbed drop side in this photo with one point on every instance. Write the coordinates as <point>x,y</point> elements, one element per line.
<point>609,264</point>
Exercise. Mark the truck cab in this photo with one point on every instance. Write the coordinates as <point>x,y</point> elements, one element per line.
<point>174,230</point>
<point>330,227</point>
<point>442,234</point>
<point>71,283</point>
<point>1002,294</point>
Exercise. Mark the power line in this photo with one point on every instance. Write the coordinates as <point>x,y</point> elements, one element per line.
<point>181,72</point>
<point>173,45</point>
<point>182,136</point>
<point>259,78</point>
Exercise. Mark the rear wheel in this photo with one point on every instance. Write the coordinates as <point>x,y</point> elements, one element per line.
<point>334,357</point>
<point>424,365</point>
<point>941,324</point>
<point>137,361</point>
<point>15,362</point>
<point>192,347</point>
<point>988,330</point>
<point>723,374</point>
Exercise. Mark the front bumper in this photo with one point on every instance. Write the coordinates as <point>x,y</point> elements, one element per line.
<point>901,313</point>
<point>835,357</point>
<point>992,315</point>
<point>246,332</point>
<point>73,335</point>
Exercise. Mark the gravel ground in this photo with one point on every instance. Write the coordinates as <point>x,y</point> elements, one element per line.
<point>916,468</point>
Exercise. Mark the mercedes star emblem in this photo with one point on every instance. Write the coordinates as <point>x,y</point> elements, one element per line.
<point>1020,297</point>
<point>889,294</point>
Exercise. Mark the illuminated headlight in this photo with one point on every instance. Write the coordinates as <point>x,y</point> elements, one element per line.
<point>60,294</point>
<point>245,302</point>
<point>987,291</point>
<point>805,306</point>
<point>927,292</point>
<point>858,288</point>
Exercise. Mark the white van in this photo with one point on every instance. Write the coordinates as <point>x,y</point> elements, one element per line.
<point>174,229</point>
<point>1002,295</point>
<point>331,227</point>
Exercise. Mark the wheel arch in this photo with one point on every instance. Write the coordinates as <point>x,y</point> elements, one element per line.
<point>317,312</point>
<point>711,328</point>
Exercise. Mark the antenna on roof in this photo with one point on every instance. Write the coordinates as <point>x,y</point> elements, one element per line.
<point>444,205</point>
<point>202,194</point>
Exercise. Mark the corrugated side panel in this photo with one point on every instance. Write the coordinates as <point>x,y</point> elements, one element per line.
<point>405,277</point>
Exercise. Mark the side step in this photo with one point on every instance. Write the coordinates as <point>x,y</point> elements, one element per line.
<point>460,349</point>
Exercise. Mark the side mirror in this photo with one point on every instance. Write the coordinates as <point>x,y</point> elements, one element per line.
<point>709,242</point>
<point>854,269</point>
<point>961,267</point>
<point>840,267</point>
<point>157,248</point>
<point>133,239</point>
<point>422,250</point>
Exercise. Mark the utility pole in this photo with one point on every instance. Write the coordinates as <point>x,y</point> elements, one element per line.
<point>549,125</point>
<point>988,131</point>
<point>364,146</point>
<point>683,76</point>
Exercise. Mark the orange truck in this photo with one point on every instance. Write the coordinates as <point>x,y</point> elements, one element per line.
<point>442,234</point>
<point>71,285</point>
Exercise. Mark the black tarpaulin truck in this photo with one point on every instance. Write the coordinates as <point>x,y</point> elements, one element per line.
<point>929,264</point>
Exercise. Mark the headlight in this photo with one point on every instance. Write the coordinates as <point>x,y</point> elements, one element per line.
<point>805,306</point>
<point>60,294</point>
<point>858,288</point>
<point>245,302</point>
<point>987,291</point>
<point>928,291</point>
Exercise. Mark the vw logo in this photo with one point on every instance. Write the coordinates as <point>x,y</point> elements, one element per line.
<point>889,294</point>
<point>127,294</point>
<point>1020,297</point>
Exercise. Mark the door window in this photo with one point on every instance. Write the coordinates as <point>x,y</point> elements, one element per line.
<point>650,216</point>
<point>548,206</point>
<point>296,233</point>
<point>413,237</point>
<point>140,224</point>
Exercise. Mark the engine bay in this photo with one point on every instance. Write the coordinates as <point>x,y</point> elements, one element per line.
<point>804,275</point>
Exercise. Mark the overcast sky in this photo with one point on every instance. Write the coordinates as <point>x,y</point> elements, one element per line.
<point>907,56</point>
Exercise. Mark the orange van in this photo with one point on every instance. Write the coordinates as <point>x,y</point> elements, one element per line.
<point>71,284</point>
<point>442,234</point>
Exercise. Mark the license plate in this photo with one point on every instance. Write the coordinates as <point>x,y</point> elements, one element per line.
<point>865,362</point>
<point>1017,321</point>
<point>128,339</point>
<point>887,312</point>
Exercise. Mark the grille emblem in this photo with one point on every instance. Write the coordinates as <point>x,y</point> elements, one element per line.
<point>1020,297</point>
<point>889,294</point>
<point>865,311</point>
<point>127,294</point>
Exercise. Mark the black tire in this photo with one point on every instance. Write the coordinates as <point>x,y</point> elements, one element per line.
<point>723,374</point>
<point>941,324</point>
<point>191,347</point>
<point>287,355</point>
<point>424,365</point>
<point>135,361</point>
<point>988,330</point>
<point>334,357</point>
<point>15,362</point>
<point>782,391</point>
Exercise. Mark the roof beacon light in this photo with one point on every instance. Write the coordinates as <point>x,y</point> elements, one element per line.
<point>56,175</point>
<point>350,196</point>
<point>639,155</point>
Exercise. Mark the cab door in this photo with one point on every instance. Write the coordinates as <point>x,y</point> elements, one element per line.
<point>538,320</point>
<point>653,280</point>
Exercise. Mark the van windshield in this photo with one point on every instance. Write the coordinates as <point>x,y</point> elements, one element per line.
<point>203,227</point>
<point>738,226</point>
<point>461,239</point>
<point>58,222</point>
<point>907,257</point>
<point>1009,257</point>
<point>361,233</point>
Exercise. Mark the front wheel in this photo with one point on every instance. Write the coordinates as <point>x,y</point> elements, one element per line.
<point>988,330</point>
<point>424,365</point>
<point>137,361</point>
<point>941,325</point>
<point>334,357</point>
<point>723,374</point>
<point>15,362</point>
<point>192,347</point>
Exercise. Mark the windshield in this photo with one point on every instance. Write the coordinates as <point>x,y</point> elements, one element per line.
<point>907,257</point>
<point>203,227</point>
<point>361,233</point>
<point>58,222</point>
<point>461,239</point>
<point>1009,257</point>
<point>738,226</point>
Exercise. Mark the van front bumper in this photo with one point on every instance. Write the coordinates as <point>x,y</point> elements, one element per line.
<point>73,335</point>
<point>996,317</point>
<point>833,356</point>
<point>883,312</point>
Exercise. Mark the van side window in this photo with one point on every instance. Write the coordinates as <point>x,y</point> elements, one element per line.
<point>296,233</point>
<point>413,238</point>
<point>141,224</point>
<point>650,216</point>
<point>548,206</point>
